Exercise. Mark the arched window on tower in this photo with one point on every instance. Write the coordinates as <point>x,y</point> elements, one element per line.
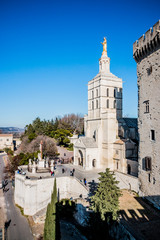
<point>114,92</point>
<point>107,92</point>
<point>97,92</point>
<point>92,94</point>
<point>92,105</point>
<point>96,103</point>
<point>114,104</point>
<point>107,103</point>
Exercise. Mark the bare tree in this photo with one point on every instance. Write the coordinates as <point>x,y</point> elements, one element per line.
<point>74,122</point>
<point>49,146</point>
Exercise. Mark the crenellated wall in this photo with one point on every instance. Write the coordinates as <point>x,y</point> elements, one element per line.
<point>147,43</point>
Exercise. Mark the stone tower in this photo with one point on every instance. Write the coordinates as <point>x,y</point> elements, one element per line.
<point>104,109</point>
<point>146,52</point>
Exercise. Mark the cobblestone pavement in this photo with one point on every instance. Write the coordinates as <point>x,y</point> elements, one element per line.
<point>79,172</point>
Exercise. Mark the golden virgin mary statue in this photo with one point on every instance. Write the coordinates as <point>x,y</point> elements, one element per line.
<point>104,46</point>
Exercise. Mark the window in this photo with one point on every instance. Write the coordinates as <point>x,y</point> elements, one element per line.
<point>152,135</point>
<point>149,177</point>
<point>114,93</point>
<point>92,94</point>
<point>148,163</point>
<point>64,154</point>
<point>129,169</point>
<point>149,70</point>
<point>107,103</point>
<point>94,135</point>
<point>107,92</point>
<point>146,103</point>
<point>7,139</point>
<point>117,165</point>
<point>154,180</point>
<point>117,152</point>
<point>92,105</point>
<point>97,92</point>
<point>114,104</point>
<point>96,103</point>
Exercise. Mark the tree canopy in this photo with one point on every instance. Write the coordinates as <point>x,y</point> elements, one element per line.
<point>49,148</point>
<point>59,129</point>
<point>106,198</point>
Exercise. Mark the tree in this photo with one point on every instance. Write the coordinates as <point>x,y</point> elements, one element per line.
<point>61,135</point>
<point>49,146</point>
<point>106,198</point>
<point>50,228</point>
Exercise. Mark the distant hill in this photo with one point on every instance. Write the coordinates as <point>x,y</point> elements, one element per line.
<point>12,130</point>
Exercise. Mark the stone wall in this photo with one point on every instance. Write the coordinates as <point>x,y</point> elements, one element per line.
<point>127,181</point>
<point>34,194</point>
<point>147,55</point>
<point>134,167</point>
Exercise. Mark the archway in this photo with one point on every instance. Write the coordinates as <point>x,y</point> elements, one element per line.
<point>129,169</point>
<point>94,163</point>
<point>80,159</point>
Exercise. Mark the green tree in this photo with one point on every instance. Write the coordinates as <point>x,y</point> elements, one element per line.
<point>61,136</point>
<point>106,198</point>
<point>51,221</point>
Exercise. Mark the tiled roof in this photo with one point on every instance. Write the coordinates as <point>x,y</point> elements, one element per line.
<point>119,141</point>
<point>6,135</point>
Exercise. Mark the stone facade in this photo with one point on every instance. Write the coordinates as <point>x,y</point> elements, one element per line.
<point>146,52</point>
<point>6,141</point>
<point>110,140</point>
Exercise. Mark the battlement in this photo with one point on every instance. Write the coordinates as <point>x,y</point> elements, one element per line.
<point>147,43</point>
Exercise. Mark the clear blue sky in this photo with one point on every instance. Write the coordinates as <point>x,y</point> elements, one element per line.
<point>49,50</point>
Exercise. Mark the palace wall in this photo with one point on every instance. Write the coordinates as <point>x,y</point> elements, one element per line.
<point>34,195</point>
<point>127,181</point>
<point>146,52</point>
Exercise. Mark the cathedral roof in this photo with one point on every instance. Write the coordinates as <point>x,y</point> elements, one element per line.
<point>106,75</point>
<point>86,142</point>
<point>130,122</point>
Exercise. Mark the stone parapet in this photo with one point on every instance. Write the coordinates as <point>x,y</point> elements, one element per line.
<point>147,43</point>
<point>34,194</point>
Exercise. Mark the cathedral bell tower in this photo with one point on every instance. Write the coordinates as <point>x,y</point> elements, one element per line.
<point>104,110</point>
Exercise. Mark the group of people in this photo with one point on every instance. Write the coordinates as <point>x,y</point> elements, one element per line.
<point>4,184</point>
<point>84,181</point>
<point>20,171</point>
<point>71,171</point>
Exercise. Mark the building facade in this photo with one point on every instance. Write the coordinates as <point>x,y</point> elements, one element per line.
<point>6,141</point>
<point>146,52</point>
<point>102,146</point>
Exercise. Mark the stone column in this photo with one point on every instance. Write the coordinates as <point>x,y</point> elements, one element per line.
<point>34,167</point>
<point>52,166</point>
